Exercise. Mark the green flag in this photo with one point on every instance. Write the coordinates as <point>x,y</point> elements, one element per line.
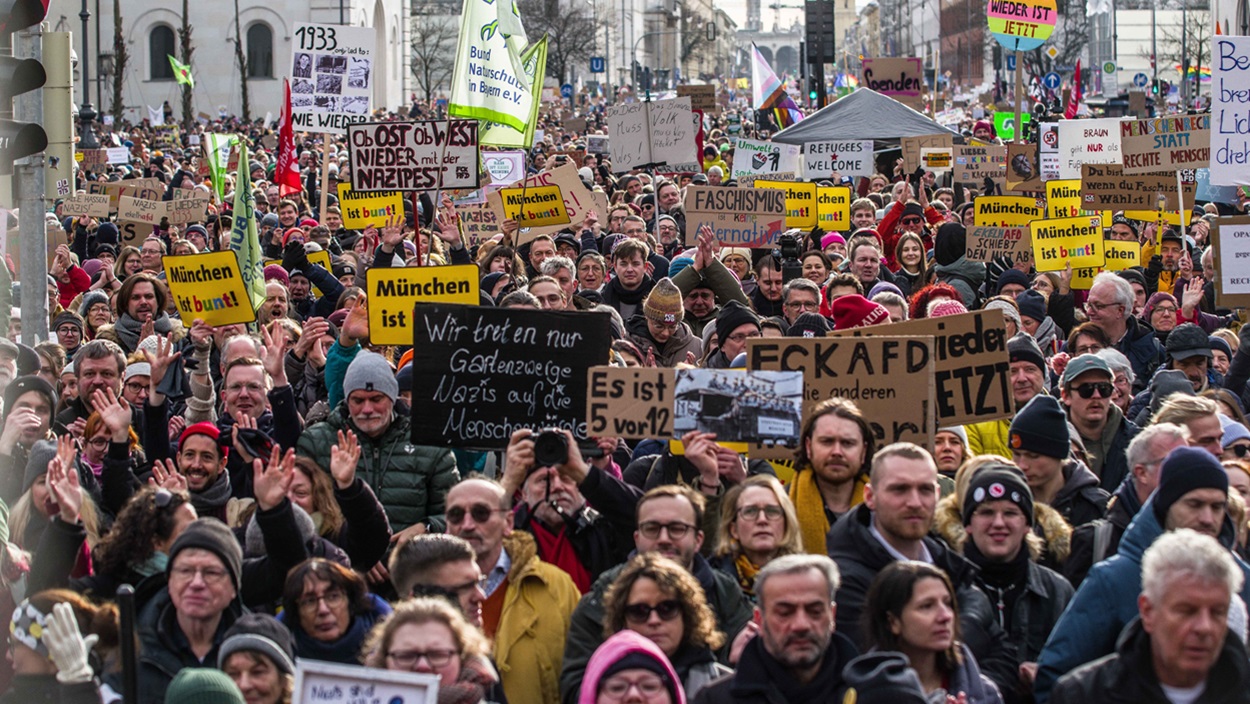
<point>182,72</point>
<point>245,237</point>
<point>500,135</point>
<point>489,80</point>
<point>217,148</point>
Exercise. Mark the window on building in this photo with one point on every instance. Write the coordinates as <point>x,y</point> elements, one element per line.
<point>259,51</point>
<point>161,46</point>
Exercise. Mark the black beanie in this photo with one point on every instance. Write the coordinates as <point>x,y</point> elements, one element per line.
<point>26,384</point>
<point>1023,348</point>
<point>260,633</point>
<point>882,678</point>
<point>1041,427</point>
<point>1031,304</point>
<point>1012,276</point>
<point>1182,471</point>
<point>41,455</point>
<point>810,325</point>
<point>212,535</point>
<point>998,482</point>
<point>731,316</point>
<point>913,209</point>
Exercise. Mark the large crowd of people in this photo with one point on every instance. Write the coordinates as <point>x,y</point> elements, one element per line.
<point>258,485</point>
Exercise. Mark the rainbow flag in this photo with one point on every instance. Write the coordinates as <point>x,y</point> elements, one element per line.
<point>769,93</point>
<point>1202,73</point>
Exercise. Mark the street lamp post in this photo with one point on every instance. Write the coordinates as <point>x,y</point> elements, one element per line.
<point>86,113</point>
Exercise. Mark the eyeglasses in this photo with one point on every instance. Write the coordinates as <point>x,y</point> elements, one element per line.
<point>651,529</point>
<point>671,327</point>
<point>68,330</point>
<point>333,598</point>
<point>210,575</point>
<point>481,513</point>
<point>648,686</point>
<point>751,513</point>
<point>1100,307</point>
<point>98,442</point>
<point>250,388</point>
<point>641,613</point>
<point>1102,388</point>
<point>1239,450</point>
<point>135,387</point>
<point>409,658</point>
<point>911,221</point>
<point>803,305</point>
<point>1164,309</point>
<point>740,336</point>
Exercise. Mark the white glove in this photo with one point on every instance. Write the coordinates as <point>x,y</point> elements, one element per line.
<point>66,645</point>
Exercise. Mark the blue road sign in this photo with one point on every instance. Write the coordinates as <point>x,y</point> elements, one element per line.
<point>598,64</point>
<point>1141,80</point>
<point>1051,80</point>
<point>566,90</point>
<point>1011,62</point>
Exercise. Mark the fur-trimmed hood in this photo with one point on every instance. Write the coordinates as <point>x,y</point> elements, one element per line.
<point>1054,540</point>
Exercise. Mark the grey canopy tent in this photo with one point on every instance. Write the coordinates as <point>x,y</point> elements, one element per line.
<point>864,114</point>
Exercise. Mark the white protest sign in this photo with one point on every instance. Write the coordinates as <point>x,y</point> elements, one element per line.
<point>118,155</point>
<point>847,158</point>
<point>753,159</point>
<point>1087,142</point>
<point>1231,239</point>
<point>654,133</point>
<point>331,683</point>
<point>413,156</point>
<point>1230,111</point>
<point>331,76</point>
<point>503,168</point>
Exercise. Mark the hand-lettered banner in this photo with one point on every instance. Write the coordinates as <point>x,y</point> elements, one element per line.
<point>1167,143</point>
<point>413,156</point>
<point>208,287</point>
<point>740,217</point>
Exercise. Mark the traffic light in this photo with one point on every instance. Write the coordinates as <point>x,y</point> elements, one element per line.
<point>17,76</point>
<point>813,92</point>
<point>1154,87</point>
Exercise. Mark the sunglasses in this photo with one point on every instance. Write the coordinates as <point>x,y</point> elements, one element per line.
<point>641,613</point>
<point>911,221</point>
<point>1102,388</point>
<point>481,513</point>
<point>1240,450</point>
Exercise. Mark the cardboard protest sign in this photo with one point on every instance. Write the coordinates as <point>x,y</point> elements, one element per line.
<point>975,163</point>
<point>740,217</point>
<point>88,204</point>
<point>331,76</point>
<point>651,134</point>
<point>413,156</point>
<point>1106,186</point>
<point>1167,143</point>
<point>477,223</point>
<point>800,202</point>
<point>376,208</point>
<point>833,208</point>
<point>1120,255</point>
<point>773,160</point>
<point>187,206</point>
<point>913,145</point>
<point>148,212</point>
<point>575,125</point>
<point>482,373</point>
<point>209,287</point>
<point>1024,173</point>
<point>985,244</point>
<point>1077,241</point>
<point>598,144</point>
<point>577,200</point>
<point>1231,239</point>
<point>1005,211</point>
<point>503,168</point>
<point>891,379</point>
<point>331,683</point>
<point>1230,81</point>
<point>901,79</point>
<point>394,292</point>
<point>630,402</point>
<point>844,157</point>
<point>145,188</point>
<point>1087,142</point>
<point>737,406</point>
<point>971,371</point>
<point>535,207</point>
<point>702,97</point>
<point>1063,198</point>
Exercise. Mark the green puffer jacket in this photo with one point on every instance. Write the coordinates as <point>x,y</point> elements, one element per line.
<point>410,480</point>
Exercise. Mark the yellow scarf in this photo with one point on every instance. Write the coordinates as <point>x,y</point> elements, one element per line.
<point>809,505</point>
<point>746,574</point>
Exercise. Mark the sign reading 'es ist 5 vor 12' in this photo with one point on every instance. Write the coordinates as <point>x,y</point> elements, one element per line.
<point>483,373</point>
<point>413,156</point>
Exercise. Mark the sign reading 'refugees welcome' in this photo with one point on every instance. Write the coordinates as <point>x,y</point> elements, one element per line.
<point>483,373</point>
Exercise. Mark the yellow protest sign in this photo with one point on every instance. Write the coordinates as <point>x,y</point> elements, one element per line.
<point>1172,217</point>
<point>1063,198</point>
<point>209,287</point>
<point>937,160</point>
<point>1062,240</point>
<point>1120,255</point>
<point>800,202</point>
<point>361,210</point>
<point>535,206</point>
<point>322,258</point>
<point>393,293</point>
<point>833,208</point>
<point>1005,211</point>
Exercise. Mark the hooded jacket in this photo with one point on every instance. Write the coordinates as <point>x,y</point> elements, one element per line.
<point>1115,462</point>
<point>1104,605</point>
<point>1080,499</point>
<point>612,651</point>
<point>1120,511</point>
<point>673,350</point>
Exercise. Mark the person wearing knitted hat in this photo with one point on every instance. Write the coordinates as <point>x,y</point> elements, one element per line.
<point>1192,493</point>
<point>69,329</point>
<point>734,326</point>
<point>1189,350</point>
<point>202,685</point>
<point>659,329</point>
<point>809,325</point>
<point>940,308</point>
<point>96,312</point>
<point>998,517</point>
<point>882,677</point>
<point>258,654</point>
<point>1011,312</point>
<point>1012,283</point>
<point>410,480</point>
<point>1040,447</point>
<point>57,639</point>
<point>950,449</point>
<point>855,311</point>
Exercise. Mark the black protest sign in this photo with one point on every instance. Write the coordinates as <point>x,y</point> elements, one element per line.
<point>413,156</point>
<point>972,371</point>
<point>481,373</point>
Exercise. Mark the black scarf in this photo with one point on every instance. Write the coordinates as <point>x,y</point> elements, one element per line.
<point>1002,582</point>
<point>127,328</point>
<point>214,497</point>
<point>634,297</point>
<point>759,670</point>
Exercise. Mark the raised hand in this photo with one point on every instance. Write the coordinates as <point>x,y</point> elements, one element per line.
<point>393,233</point>
<point>1192,296</point>
<point>314,329</point>
<point>160,362</point>
<point>114,411</point>
<point>271,482</point>
<point>448,229</point>
<point>62,481</point>
<point>167,477</point>
<point>273,352</point>
<point>343,459</point>
<point>700,449</point>
<point>245,422</point>
<point>356,324</point>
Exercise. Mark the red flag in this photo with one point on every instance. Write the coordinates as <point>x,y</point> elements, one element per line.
<point>286,174</point>
<point>1075,100</point>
